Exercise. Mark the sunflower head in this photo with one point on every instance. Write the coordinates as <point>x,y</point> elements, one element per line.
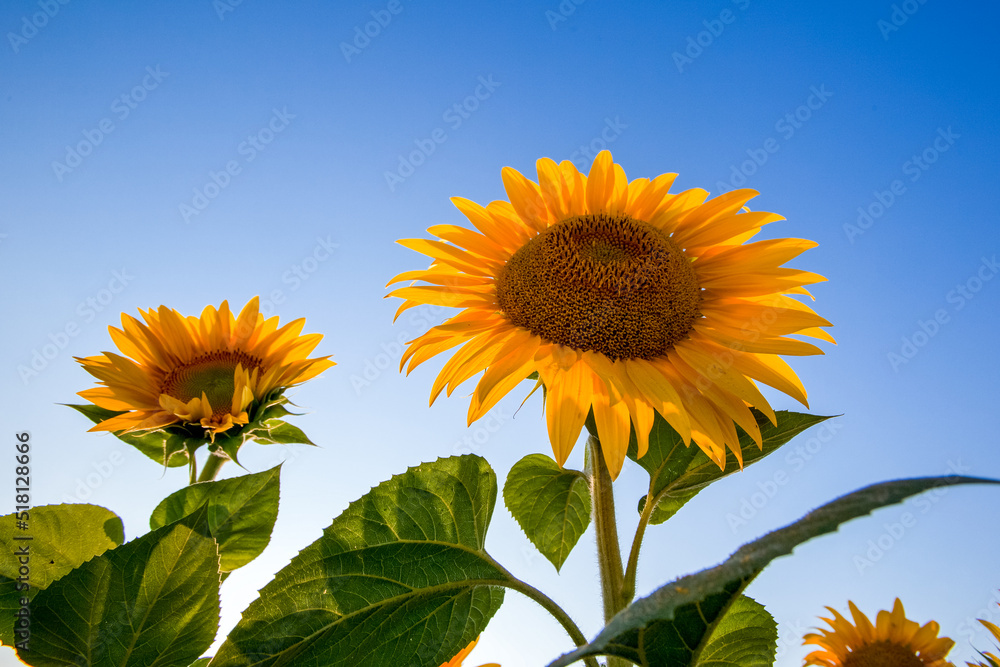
<point>992,660</point>
<point>626,301</point>
<point>893,641</point>
<point>197,378</point>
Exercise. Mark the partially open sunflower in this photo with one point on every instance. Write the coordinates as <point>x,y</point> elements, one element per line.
<point>202,371</point>
<point>894,641</point>
<point>625,300</point>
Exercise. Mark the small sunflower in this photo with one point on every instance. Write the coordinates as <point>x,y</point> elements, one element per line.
<point>624,299</point>
<point>197,371</point>
<point>992,660</point>
<point>894,641</point>
<point>463,654</point>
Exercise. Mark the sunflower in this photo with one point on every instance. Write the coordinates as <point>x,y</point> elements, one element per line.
<point>894,641</point>
<point>463,654</point>
<point>992,660</point>
<point>203,371</point>
<point>624,299</point>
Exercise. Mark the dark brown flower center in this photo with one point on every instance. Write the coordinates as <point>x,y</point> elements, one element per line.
<point>882,654</point>
<point>601,282</point>
<point>212,373</point>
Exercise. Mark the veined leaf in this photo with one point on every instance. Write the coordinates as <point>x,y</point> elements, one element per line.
<point>400,578</point>
<point>54,539</point>
<point>551,504</point>
<point>678,472</point>
<point>240,513</point>
<point>152,602</point>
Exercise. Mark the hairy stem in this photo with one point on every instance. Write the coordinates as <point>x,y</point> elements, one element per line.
<point>557,612</point>
<point>628,586</point>
<point>609,556</point>
<point>212,466</point>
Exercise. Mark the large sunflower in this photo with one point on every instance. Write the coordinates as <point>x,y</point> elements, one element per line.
<point>624,299</point>
<point>894,641</point>
<point>203,370</point>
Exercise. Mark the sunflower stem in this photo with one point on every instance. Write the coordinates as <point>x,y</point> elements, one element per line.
<point>550,606</point>
<point>609,557</point>
<point>628,586</point>
<point>212,466</point>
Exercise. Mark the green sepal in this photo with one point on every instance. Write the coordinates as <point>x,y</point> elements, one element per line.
<point>174,445</point>
<point>170,446</point>
<point>701,599</point>
<point>239,514</point>
<point>551,504</point>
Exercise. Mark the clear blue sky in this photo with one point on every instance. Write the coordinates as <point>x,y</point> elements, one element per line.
<point>187,152</point>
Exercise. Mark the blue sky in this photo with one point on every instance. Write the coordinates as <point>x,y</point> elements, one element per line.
<point>188,152</point>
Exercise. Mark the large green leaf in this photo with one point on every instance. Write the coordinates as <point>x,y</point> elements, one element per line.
<point>165,446</point>
<point>240,513</point>
<point>551,504</point>
<point>678,472</point>
<point>400,578</point>
<point>152,602</point>
<point>693,604</point>
<point>57,538</point>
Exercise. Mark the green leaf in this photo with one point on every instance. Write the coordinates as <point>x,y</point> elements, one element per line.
<point>400,578</point>
<point>678,472</point>
<point>240,513</point>
<point>152,602</point>
<point>201,662</point>
<point>551,504</point>
<point>709,593</point>
<point>165,446</point>
<point>58,538</point>
<point>747,636</point>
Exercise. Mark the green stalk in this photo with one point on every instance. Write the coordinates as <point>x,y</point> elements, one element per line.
<point>212,466</point>
<point>628,587</point>
<point>609,556</point>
